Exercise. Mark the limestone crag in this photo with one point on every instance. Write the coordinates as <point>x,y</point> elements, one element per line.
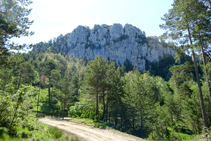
<point>117,43</point>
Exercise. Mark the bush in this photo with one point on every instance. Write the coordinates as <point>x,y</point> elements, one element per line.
<point>84,109</point>
<point>55,132</point>
<point>39,115</point>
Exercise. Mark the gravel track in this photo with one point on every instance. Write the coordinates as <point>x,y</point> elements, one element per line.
<point>89,133</point>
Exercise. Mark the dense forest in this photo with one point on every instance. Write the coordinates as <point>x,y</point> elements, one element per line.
<point>170,100</point>
<point>134,102</point>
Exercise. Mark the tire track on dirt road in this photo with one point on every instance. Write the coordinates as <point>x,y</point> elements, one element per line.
<point>88,133</point>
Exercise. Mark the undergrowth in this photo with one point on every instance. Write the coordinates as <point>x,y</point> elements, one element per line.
<point>91,122</point>
<point>41,132</point>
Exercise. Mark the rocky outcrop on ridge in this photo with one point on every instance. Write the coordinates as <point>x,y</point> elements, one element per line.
<point>115,43</point>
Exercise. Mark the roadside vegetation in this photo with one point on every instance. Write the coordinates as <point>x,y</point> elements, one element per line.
<point>91,122</point>
<point>41,132</point>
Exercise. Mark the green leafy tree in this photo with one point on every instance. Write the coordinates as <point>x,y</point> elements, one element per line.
<point>201,32</point>
<point>180,23</point>
<point>55,77</point>
<point>116,94</point>
<point>108,76</point>
<point>66,88</point>
<point>24,74</point>
<point>99,77</point>
<point>94,77</point>
<point>49,66</point>
<point>14,22</point>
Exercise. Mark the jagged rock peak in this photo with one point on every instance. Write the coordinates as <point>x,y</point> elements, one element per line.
<point>115,42</point>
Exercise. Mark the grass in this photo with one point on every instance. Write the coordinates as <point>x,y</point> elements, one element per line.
<point>188,137</point>
<point>184,137</point>
<point>43,107</point>
<point>43,133</point>
<point>94,123</point>
<point>43,97</point>
<point>55,132</point>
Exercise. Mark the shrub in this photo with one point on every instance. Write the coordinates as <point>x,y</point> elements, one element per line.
<point>84,109</point>
<point>39,115</point>
<point>55,132</point>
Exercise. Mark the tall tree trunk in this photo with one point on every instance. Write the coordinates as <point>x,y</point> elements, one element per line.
<point>38,95</point>
<point>97,102</point>
<point>64,106</point>
<point>200,91</point>
<point>204,61</point>
<point>116,113</point>
<point>107,111</point>
<point>121,121</point>
<point>199,85</point>
<point>103,116</point>
<point>109,119</point>
<point>141,128</point>
<point>49,92</point>
<point>126,126</point>
<point>133,123</point>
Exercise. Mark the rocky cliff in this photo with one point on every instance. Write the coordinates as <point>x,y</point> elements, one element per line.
<point>115,42</point>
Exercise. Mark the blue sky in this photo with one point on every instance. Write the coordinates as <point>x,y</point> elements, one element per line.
<point>52,17</point>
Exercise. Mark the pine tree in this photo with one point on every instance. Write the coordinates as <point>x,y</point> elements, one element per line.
<point>67,89</point>
<point>180,23</point>
<point>49,66</point>
<point>14,22</point>
<point>94,77</point>
<point>201,33</point>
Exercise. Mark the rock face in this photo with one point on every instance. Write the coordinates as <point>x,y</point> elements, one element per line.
<point>117,43</point>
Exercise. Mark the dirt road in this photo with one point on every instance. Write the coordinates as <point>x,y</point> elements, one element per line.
<point>88,133</point>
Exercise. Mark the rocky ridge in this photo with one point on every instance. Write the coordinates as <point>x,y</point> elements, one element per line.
<point>116,43</point>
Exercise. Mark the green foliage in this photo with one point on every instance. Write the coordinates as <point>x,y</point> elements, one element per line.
<point>98,81</point>
<point>95,123</point>
<point>90,45</point>
<point>57,45</point>
<point>14,22</point>
<point>185,24</point>
<point>61,75</point>
<point>128,65</point>
<point>141,39</point>
<point>142,104</point>
<point>20,78</point>
<point>55,132</point>
<point>121,38</point>
<point>40,115</point>
<point>42,132</point>
<point>84,109</point>
<point>162,68</point>
<point>16,120</point>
